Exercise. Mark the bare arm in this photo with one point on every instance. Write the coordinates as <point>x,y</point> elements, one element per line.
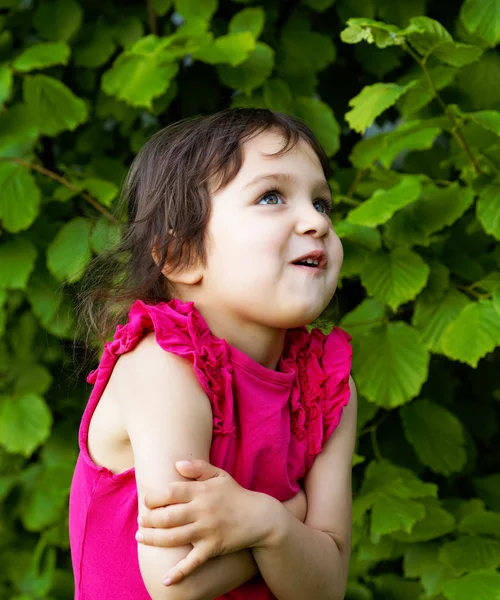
<point>311,560</point>
<point>173,421</point>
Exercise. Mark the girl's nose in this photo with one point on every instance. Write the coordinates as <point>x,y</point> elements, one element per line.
<point>312,222</point>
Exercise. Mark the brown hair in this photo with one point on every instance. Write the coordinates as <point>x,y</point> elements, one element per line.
<point>168,188</point>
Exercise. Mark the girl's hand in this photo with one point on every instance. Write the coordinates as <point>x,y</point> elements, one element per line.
<point>212,512</point>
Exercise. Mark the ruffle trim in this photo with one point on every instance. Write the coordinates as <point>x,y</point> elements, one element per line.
<point>322,363</point>
<point>181,330</point>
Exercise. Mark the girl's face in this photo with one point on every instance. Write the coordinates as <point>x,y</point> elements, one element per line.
<point>274,212</point>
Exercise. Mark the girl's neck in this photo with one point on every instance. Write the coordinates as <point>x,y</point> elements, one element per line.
<point>262,344</point>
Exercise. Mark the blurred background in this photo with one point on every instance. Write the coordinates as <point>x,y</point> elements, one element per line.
<point>404,96</point>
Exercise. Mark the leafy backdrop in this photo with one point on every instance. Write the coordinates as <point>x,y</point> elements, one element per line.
<point>404,95</point>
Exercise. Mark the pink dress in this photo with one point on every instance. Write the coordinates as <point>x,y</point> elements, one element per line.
<point>268,427</point>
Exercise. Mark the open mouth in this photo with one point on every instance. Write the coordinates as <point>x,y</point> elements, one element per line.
<point>309,262</point>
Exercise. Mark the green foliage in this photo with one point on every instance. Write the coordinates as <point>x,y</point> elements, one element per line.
<point>407,108</point>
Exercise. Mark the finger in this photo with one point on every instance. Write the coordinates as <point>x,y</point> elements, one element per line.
<point>175,493</point>
<point>174,515</point>
<point>167,538</point>
<point>197,469</point>
<point>198,556</point>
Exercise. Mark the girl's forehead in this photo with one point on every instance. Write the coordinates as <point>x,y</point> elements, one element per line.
<point>256,153</point>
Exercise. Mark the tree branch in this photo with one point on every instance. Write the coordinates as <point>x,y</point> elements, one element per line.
<point>63,181</point>
<point>456,130</point>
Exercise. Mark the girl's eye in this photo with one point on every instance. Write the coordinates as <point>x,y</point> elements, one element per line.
<point>272,195</point>
<point>325,206</point>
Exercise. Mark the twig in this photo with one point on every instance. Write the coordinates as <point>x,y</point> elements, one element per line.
<point>63,181</point>
<point>456,131</point>
<point>376,449</point>
<point>359,176</point>
<point>152,21</point>
<point>469,289</point>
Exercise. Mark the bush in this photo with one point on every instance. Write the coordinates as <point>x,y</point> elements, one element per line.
<point>402,95</point>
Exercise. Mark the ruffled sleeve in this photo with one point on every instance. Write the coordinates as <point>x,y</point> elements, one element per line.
<point>180,329</point>
<point>323,364</point>
<point>337,363</point>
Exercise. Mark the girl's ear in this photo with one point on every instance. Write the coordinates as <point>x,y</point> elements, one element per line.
<point>182,275</point>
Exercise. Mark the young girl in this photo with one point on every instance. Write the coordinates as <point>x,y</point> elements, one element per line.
<point>216,447</point>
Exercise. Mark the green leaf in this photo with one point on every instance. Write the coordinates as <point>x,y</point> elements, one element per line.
<point>20,197</point>
<point>374,32</point>
<point>438,282</point>
<point>17,260</point>
<point>48,497</point>
<point>484,522</point>
<point>394,277</point>
<point>250,74</point>
<point>480,82</point>
<point>138,79</point>
<point>471,553</point>
<point>481,585</point>
<point>129,30</point>
<point>367,315</point>
<point>384,480</point>
<point>52,105</point>
<point>440,207</point>
<point>25,423</point>
<point>304,51</point>
<point>488,209</point>
<point>482,18</point>
<point>248,19</point>
<point>408,137</point>
<point>385,548</point>
<point>44,295</point>
<point>474,333</point>
<point>196,9</point>
<point>371,102</point>
<point>436,208</point>
<point>58,19</point>
<point>18,131</point>
<point>496,299</point>
<point>367,151</point>
<point>489,119</point>
<point>436,435</point>
<point>364,236</point>
<point>5,83</point>
<point>488,488</point>
<point>69,252</point>
<point>320,118</point>
<point>34,379</point>
<point>391,365</point>
<point>161,7</point>
<point>104,191</point>
<point>233,49</point>
<point>104,235</point>
<point>277,95</point>
<point>421,561</point>
<point>436,523</point>
<point>41,56</point>
<point>395,514</point>
<point>432,317</point>
<point>431,37</point>
<point>421,94</point>
<point>96,47</point>
<point>380,207</point>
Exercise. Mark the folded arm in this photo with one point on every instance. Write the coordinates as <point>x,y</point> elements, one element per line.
<point>168,417</point>
<point>311,560</point>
